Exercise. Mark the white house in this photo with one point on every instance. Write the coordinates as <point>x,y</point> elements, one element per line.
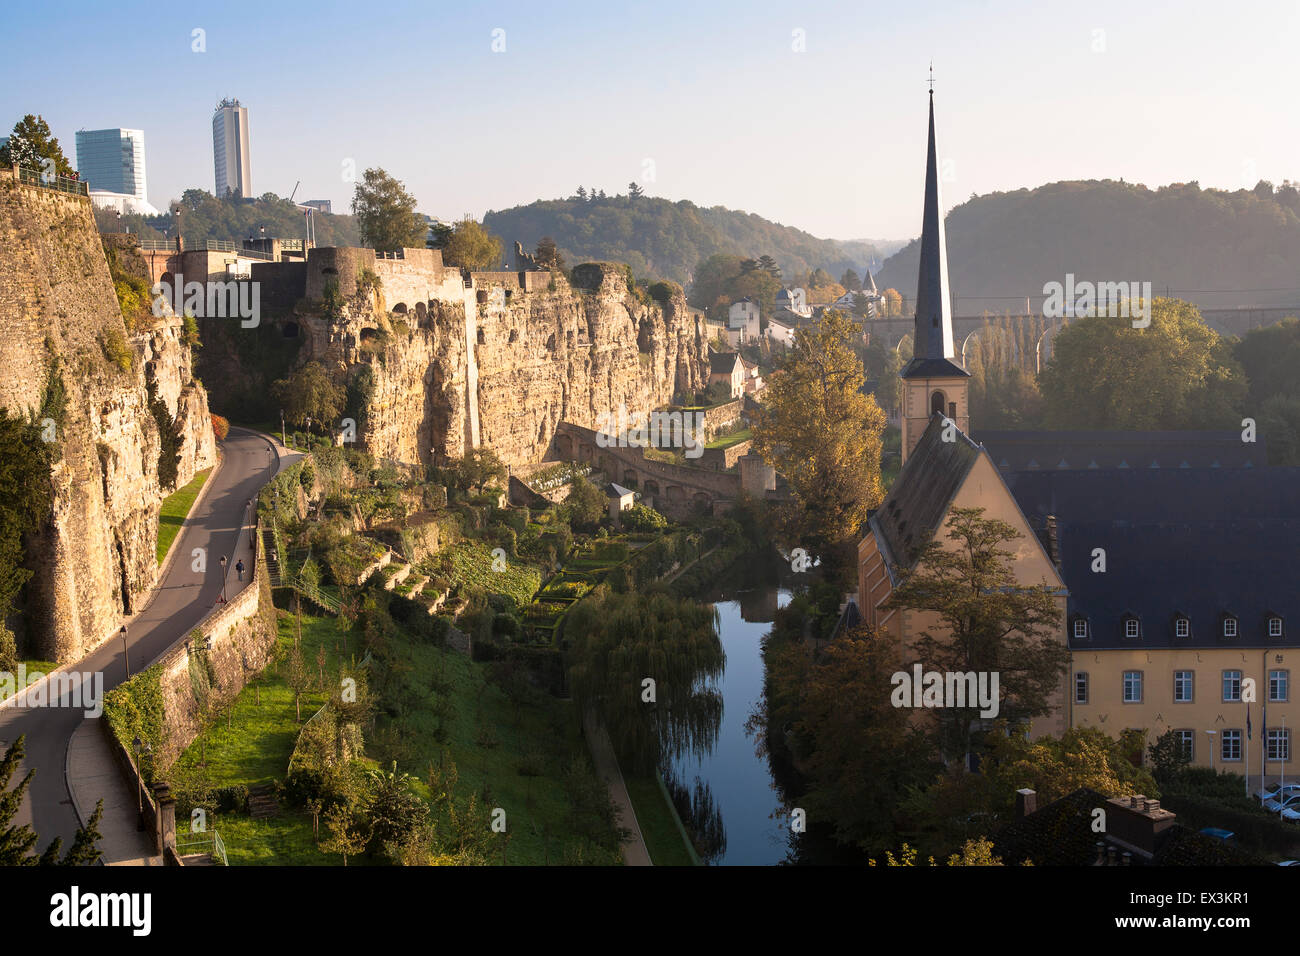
<point>796,300</point>
<point>742,317</point>
<point>781,329</point>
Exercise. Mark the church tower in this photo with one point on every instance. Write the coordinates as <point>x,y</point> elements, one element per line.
<point>933,381</point>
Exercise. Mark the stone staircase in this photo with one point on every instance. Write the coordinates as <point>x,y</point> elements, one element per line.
<point>272,556</point>
<point>262,802</point>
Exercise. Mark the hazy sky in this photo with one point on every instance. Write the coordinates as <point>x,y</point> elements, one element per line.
<point>712,100</point>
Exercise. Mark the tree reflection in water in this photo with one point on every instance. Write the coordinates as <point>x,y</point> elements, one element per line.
<point>700,814</point>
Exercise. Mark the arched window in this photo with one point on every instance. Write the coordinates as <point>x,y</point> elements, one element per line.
<point>937,401</point>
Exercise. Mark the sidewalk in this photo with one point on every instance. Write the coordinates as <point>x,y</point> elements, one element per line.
<point>92,774</point>
<point>602,754</point>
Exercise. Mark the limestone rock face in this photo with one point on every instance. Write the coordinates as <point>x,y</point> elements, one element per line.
<point>93,556</point>
<point>479,361</point>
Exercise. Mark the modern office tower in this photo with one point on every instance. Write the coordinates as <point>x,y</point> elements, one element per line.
<point>112,161</point>
<point>230,149</point>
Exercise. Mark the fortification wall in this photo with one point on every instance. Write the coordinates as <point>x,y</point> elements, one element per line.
<point>93,556</point>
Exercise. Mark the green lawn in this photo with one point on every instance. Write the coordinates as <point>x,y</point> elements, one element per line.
<point>658,822</point>
<point>30,667</point>
<point>518,759</point>
<point>735,438</point>
<point>175,508</point>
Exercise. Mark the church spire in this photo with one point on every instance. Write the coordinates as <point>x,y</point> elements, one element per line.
<point>933,327</point>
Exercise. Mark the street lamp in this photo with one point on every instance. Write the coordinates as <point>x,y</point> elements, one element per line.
<point>223,579</point>
<point>283,440</point>
<point>126,654</point>
<point>141,750</point>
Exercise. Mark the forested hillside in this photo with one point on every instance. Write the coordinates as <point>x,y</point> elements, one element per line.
<point>204,216</point>
<point>667,240</point>
<point>1216,248</point>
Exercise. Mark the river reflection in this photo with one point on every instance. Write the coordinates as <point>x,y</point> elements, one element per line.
<point>727,796</point>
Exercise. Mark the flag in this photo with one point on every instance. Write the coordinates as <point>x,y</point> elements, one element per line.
<point>1248,721</point>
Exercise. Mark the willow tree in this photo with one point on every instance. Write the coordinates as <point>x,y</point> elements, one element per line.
<point>648,665</point>
<point>821,432</point>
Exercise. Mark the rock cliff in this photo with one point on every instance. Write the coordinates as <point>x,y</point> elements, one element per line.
<point>496,360</point>
<point>93,556</point>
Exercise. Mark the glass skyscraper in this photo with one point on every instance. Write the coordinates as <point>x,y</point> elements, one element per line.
<point>112,160</point>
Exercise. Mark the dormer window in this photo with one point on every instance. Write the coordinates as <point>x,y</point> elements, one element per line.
<point>1182,627</point>
<point>1132,627</point>
<point>1275,626</point>
<point>1080,628</point>
<point>1229,626</point>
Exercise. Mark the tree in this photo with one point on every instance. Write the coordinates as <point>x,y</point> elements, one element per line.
<point>309,393</point>
<point>634,191</point>
<point>348,833</point>
<point>395,811</point>
<point>439,235</point>
<point>990,622</point>
<point>891,304</point>
<point>30,143</point>
<point>822,433</point>
<point>643,518</point>
<point>1176,373</point>
<point>582,193</point>
<point>1168,754</point>
<point>585,505</point>
<point>298,677</point>
<point>851,281</point>
<point>620,640</point>
<point>478,468</point>
<point>386,214</point>
<point>548,255</point>
<point>857,752</point>
<point>18,840</point>
<point>471,246</point>
<point>24,503</point>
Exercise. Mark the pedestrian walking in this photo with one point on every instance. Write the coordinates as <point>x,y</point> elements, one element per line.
<point>239,568</point>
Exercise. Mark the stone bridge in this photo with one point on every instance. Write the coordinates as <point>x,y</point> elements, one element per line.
<point>677,491</point>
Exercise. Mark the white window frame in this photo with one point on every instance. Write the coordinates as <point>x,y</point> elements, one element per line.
<point>1275,621</point>
<point>1080,628</point>
<point>1223,684</point>
<point>1234,736</point>
<point>1230,627</point>
<point>1132,627</point>
<point>1137,681</point>
<point>1190,679</point>
<point>1277,744</point>
<point>1182,627</point>
<point>1279,676</point>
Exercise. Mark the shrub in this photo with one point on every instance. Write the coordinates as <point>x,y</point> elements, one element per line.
<point>113,342</point>
<point>643,518</point>
<point>220,427</point>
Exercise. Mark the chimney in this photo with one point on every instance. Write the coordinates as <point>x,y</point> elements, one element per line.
<point>1026,803</point>
<point>1137,823</point>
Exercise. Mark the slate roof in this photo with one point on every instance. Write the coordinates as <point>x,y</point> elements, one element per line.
<point>933,368</point>
<point>617,491</point>
<point>1060,834</point>
<point>723,363</point>
<point>1046,450</point>
<point>1193,542</point>
<point>910,514</point>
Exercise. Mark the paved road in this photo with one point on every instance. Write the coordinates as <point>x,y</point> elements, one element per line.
<point>178,603</point>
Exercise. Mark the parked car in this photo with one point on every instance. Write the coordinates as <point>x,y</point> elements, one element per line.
<point>1227,836</point>
<point>1280,803</point>
<point>1291,813</point>
<point>1271,793</point>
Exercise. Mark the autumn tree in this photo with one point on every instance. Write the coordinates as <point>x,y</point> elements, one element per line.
<point>471,246</point>
<point>988,622</point>
<point>1176,373</point>
<point>891,304</point>
<point>348,831</point>
<point>386,214</point>
<point>822,433</point>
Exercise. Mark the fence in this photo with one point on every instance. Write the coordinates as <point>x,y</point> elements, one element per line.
<point>207,842</point>
<point>36,177</point>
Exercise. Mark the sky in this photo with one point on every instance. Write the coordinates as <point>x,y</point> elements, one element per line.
<point>810,114</point>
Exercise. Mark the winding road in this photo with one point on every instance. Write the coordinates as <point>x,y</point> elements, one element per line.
<point>180,600</point>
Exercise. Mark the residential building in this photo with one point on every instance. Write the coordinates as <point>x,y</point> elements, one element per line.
<point>230,149</point>
<point>743,317</point>
<point>728,368</point>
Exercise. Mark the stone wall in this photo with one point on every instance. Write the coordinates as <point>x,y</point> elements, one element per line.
<point>93,556</point>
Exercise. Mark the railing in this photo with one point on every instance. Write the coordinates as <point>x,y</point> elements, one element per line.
<point>36,177</point>
<point>157,245</point>
<point>293,245</point>
<point>207,842</point>
<point>392,254</point>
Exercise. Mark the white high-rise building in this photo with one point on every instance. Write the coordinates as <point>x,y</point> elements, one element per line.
<point>230,149</point>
